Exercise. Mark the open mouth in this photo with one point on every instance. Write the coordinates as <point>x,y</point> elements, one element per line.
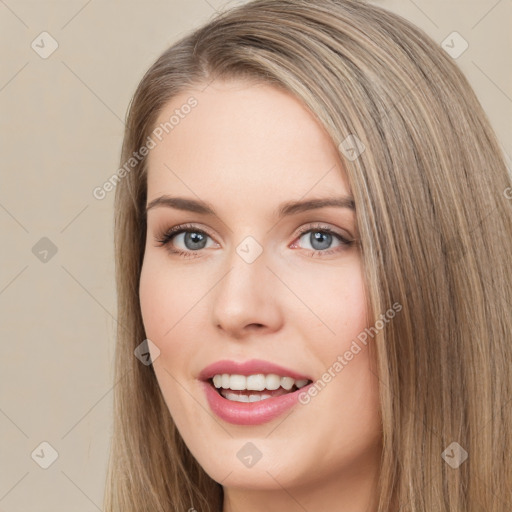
<point>286,386</point>
<point>251,393</point>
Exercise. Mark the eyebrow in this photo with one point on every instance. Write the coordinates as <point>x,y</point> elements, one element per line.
<point>287,208</point>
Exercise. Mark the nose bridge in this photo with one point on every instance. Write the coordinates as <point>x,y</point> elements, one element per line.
<point>244,296</point>
<point>247,277</point>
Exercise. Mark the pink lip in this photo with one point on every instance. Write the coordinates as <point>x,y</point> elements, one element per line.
<point>251,367</point>
<point>249,413</point>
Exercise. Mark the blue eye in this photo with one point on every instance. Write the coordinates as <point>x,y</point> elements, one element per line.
<point>320,239</point>
<point>194,240</point>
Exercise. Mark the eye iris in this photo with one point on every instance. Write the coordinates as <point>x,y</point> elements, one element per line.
<point>195,239</point>
<point>320,236</point>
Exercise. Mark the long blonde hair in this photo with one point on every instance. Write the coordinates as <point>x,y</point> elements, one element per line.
<point>435,224</point>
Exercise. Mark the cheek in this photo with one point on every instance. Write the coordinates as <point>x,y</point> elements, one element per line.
<point>173,314</point>
<point>332,302</point>
<point>162,306</point>
<point>164,309</point>
<point>339,339</point>
<point>165,298</point>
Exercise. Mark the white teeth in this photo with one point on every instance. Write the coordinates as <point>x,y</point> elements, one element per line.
<point>237,382</point>
<point>236,398</point>
<point>273,381</point>
<point>256,382</point>
<point>287,383</point>
<point>244,398</point>
<point>257,398</point>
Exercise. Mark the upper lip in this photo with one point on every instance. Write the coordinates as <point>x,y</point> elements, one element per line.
<point>251,367</point>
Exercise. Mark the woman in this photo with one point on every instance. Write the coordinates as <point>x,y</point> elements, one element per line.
<point>312,249</point>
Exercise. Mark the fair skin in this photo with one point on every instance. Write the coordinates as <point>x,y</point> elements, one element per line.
<point>245,149</point>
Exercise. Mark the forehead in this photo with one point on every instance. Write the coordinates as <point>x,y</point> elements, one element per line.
<point>242,142</point>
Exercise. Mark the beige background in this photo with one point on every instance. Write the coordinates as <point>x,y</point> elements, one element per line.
<point>61,131</point>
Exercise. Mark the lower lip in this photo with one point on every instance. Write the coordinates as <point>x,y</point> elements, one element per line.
<point>249,413</point>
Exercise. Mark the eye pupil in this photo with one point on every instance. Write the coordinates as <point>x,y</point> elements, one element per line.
<point>197,240</point>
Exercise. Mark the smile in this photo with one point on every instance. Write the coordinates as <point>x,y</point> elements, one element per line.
<point>251,392</point>
<point>241,388</point>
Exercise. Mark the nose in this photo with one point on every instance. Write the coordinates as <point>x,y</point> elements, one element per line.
<point>246,299</point>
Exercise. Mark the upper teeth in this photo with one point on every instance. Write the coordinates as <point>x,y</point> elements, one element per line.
<point>257,382</point>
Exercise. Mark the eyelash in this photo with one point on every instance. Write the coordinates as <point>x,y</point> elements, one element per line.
<point>165,238</point>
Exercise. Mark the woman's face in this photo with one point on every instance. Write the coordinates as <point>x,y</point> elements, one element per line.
<point>262,280</point>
